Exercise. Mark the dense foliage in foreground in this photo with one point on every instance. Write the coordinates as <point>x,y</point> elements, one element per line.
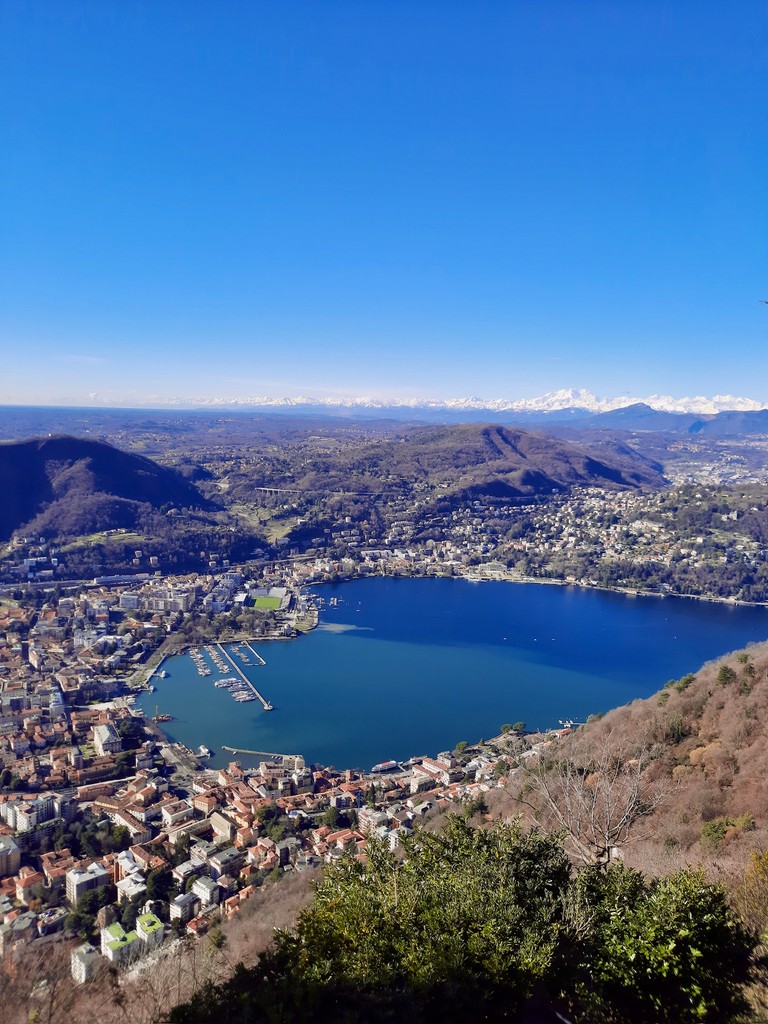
<point>476,924</point>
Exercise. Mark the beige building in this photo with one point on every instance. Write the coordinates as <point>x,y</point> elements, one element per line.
<point>106,740</point>
<point>10,856</point>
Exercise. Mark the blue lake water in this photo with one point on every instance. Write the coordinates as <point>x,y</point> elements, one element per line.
<point>400,667</point>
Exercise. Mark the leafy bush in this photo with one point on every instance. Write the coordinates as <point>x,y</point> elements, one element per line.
<point>472,921</point>
<point>665,951</point>
<point>714,832</point>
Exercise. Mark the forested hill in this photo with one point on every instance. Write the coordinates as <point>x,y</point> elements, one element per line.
<point>642,417</point>
<point>500,460</point>
<point>467,461</point>
<point>705,742</point>
<point>68,486</point>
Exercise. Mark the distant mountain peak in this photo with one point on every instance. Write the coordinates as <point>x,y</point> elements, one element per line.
<point>562,400</point>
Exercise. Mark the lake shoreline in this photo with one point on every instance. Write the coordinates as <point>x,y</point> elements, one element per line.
<point>538,581</point>
<point>428,665</point>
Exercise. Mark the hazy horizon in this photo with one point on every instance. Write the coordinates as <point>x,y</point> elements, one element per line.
<point>549,403</point>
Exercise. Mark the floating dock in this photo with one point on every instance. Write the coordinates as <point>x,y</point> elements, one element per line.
<point>259,660</point>
<point>236,668</point>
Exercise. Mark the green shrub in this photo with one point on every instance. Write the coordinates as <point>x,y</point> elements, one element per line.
<point>726,675</point>
<point>472,921</point>
<point>665,951</point>
<point>685,682</point>
<point>714,832</point>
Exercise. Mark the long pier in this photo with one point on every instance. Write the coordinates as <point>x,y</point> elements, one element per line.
<point>260,753</point>
<point>267,706</point>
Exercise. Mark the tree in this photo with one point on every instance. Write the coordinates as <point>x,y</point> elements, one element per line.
<point>130,913</point>
<point>726,675</point>
<point>332,818</point>
<point>337,819</point>
<point>159,884</point>
<point>596,794</point>
<point>131,732</point>
<point>181,850</point>
<point>473,921</point>
<point>462,928</point>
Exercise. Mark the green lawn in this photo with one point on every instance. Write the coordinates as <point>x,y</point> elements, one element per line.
<point>267,604</point>
<point>103,537</point>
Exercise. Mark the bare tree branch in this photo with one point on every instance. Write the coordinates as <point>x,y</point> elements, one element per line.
<point>598,795</point>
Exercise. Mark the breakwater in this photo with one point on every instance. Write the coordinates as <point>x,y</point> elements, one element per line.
<point>286,759</point>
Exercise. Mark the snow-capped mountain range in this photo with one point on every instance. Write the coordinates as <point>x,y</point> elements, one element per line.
<point>554,401</point>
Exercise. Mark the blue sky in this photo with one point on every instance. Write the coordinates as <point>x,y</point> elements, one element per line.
<point>433,199</point>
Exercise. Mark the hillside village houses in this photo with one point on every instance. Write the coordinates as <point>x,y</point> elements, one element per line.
<point>588,535</point>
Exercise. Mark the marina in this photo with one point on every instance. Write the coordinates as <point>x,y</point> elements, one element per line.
<point>203,669</point>
<point>245,691</point>
<point>233,679</point>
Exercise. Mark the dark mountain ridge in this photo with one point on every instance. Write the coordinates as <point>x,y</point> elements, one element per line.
<point>64,486</point>
<point>528,462</point>
<point>475,460</point>
<point>642,417</point>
